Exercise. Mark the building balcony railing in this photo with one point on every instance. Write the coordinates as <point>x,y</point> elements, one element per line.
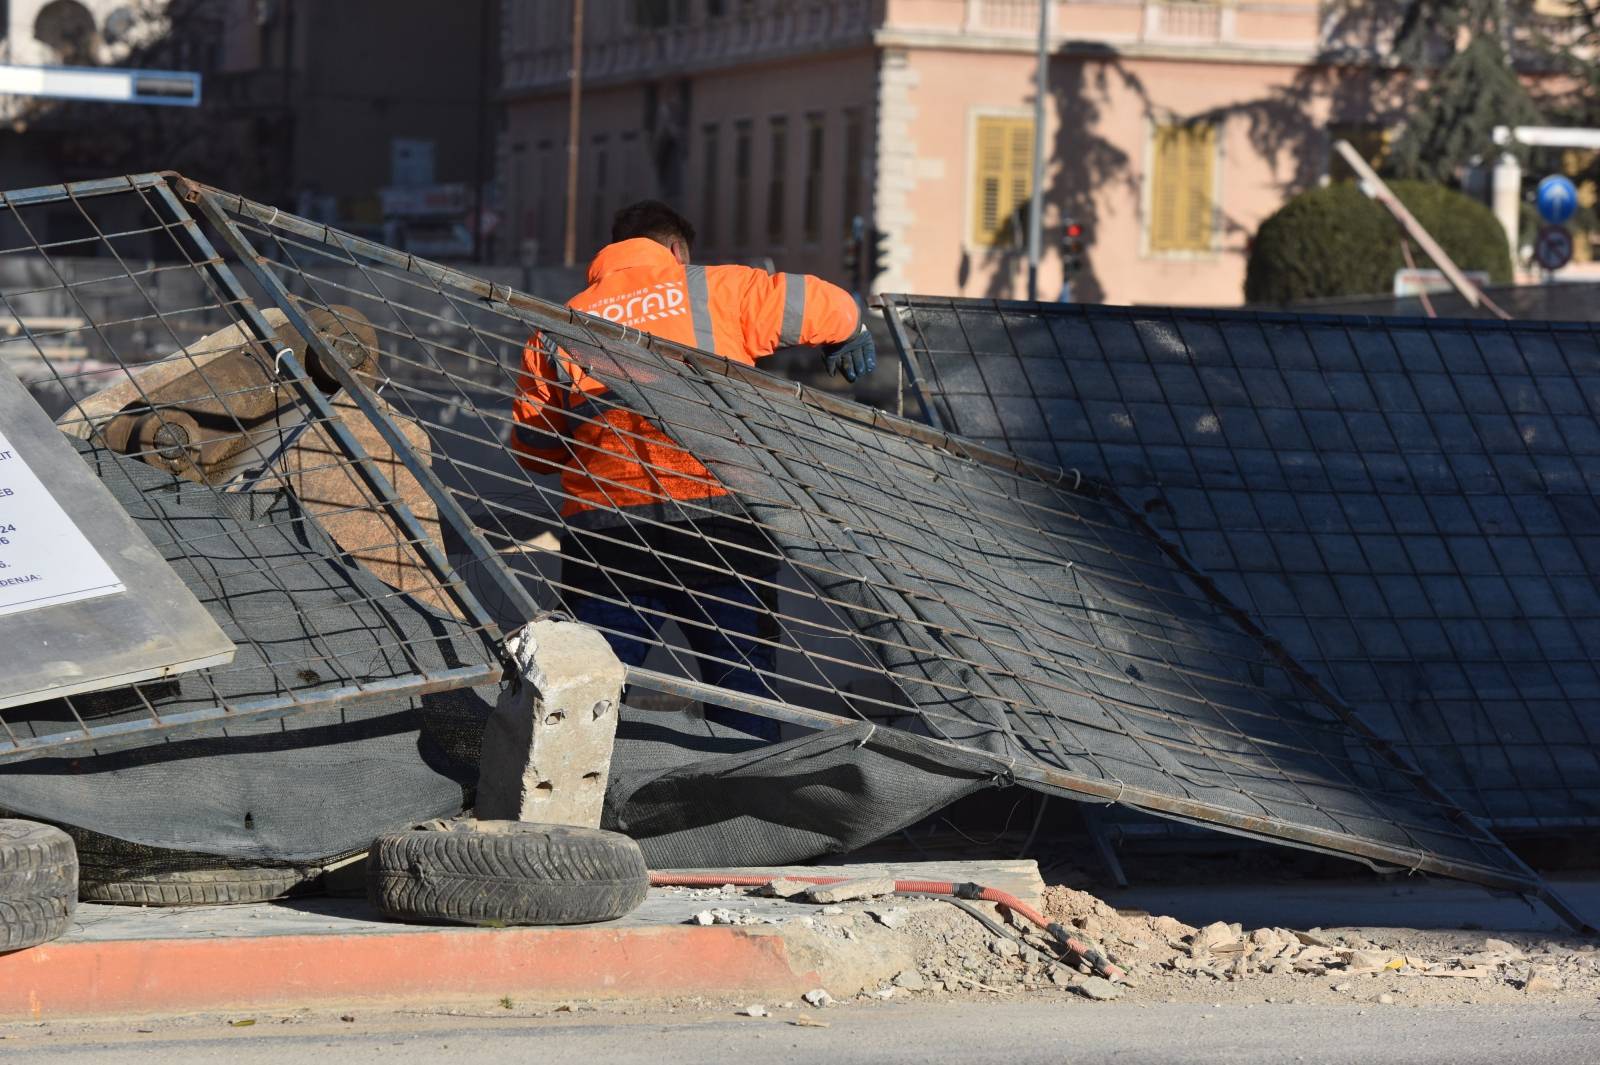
<point>1192,21</point>
<point>1221,22</point>
<point>748,30</point>
<point>617,46</point>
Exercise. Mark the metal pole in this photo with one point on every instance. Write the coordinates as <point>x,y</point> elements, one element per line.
<point>287,119</point>
<point>569,256</point>
<point>1375,189</point>
<point>480,171</point>
<point>1036,206</point>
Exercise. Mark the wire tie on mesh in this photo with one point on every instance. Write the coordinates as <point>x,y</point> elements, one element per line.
<point>277,360</point>
<point>872,727</point>
<point>1077,479</point>
<point>274,219</point>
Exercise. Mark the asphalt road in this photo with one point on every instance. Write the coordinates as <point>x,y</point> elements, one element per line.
<point>965,1032</point>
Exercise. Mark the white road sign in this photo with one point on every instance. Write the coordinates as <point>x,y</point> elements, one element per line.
<point>45,560</point>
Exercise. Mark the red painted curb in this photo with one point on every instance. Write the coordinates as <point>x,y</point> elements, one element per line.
<point>59,981</point>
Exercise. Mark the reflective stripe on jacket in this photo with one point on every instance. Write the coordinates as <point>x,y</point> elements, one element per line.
<point>612,457</point>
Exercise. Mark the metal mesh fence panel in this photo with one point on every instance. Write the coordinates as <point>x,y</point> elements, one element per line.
<point>240,459</point>
<point>782,554</point>
<point>1408,505</point>
<point>1553,302</point>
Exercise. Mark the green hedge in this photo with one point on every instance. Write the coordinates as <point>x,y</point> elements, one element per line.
<point>1334,241</point>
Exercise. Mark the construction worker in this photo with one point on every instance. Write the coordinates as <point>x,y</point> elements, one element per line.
<point>653,536</point>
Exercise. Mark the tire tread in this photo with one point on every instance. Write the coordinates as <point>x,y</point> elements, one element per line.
<point>38,883</point>
<point>529,875</point>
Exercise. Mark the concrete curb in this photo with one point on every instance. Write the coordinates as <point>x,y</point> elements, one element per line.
<point>151,976</point>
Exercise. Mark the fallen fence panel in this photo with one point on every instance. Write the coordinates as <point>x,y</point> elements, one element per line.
<point>772,551</point>
<point>1409,505</point>
<point>832,563</point>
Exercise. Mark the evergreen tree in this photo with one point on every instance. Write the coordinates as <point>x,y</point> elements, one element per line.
<point>1457,49</point>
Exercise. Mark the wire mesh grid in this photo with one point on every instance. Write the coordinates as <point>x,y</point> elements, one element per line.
<point>238,457</point>
<point>1408,505</point>
<point>784,555</point>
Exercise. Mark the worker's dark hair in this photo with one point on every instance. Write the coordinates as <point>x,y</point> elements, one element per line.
<point>653,219</point>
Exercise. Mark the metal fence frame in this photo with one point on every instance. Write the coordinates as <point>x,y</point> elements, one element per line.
<point>119,735</point>
<point>534,313</point>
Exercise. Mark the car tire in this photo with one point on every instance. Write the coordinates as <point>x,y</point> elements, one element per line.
<point>121,873</point>
<point>506,872</point>
<point>38,883</point>
<point>215,886</point>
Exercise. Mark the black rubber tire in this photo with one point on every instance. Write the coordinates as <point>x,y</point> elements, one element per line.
<point>121,873</point>
<point>506,872</point>
<point>38,883</point>
<point>196,887</point>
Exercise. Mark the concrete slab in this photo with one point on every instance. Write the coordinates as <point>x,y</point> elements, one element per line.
<point>146,961</point>
<point>664,908</point>
<point>681,941</point>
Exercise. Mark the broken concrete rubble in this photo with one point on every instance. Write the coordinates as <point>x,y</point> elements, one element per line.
<point>785,888</point>
<point>910,980</point>
<point>850,890</point>
<point>857,952</point>
<point>1097,989</point>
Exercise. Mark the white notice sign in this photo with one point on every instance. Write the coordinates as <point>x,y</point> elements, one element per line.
<point>44,559</point>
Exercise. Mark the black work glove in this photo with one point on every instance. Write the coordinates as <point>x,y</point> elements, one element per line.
<point>854,358</point>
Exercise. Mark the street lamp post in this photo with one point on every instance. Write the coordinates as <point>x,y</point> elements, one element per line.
<point>1036,205</point>
<point>569,254</point>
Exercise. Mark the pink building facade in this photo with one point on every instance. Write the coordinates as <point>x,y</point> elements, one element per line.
<point>1173,129</point>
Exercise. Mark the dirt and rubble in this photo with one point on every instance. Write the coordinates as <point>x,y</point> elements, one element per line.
<point>896,947</point>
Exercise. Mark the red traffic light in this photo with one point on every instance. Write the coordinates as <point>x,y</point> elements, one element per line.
<point>1074,229</point>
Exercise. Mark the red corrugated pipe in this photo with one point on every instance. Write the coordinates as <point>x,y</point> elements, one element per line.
<point>1074,947</point>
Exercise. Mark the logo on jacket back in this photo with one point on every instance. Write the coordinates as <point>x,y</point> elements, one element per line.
<point>649,304</point>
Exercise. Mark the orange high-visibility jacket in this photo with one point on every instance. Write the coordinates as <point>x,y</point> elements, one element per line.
<point>612,457</point>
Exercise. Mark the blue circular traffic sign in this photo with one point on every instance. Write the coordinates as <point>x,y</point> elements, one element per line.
<point>1558,199</point>
<point>1553,248</point>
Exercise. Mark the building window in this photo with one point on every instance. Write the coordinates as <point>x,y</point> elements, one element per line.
<point>630,167</point>
<point>742,152</point>
<point>1183,188</point>
<point>597,200</point>
<point>1370,142</point>
<point>711,202</point>
<point>1002,179</point>
<point>539,218</point>
<point>659,14</point>
<point>779,130</point>
<point>853,150</point>
<point>812,224</point>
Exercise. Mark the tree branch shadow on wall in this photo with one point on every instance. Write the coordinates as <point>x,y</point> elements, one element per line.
<point>1283,126</point>
<point>1083,162</point>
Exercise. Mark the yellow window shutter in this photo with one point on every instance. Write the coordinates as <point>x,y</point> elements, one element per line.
<point>1181,187</point>
<point>989,179</point>
<point>1198,177</point>
<point>1002,177</point>
<point>1021,166</point>
<point>1165,202</point>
